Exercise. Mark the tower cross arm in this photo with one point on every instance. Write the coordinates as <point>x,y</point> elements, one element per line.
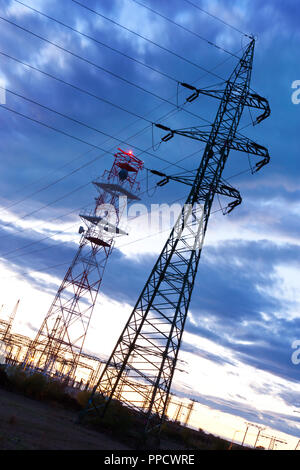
<point>225,189</point>
<point>244,144</point>
<point>252,100</point>
<point>240,142</point>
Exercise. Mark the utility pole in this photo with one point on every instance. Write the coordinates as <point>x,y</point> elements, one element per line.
<point>178,412</point>
<point>153,332</point>
<point>259,430</point>
<point>232,440</point>
<point>190,408</point>
<point>246,431</point>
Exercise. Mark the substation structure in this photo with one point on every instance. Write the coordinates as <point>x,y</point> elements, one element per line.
<point>58,345</point>
<point>144,359</point>
<point>13,349</point>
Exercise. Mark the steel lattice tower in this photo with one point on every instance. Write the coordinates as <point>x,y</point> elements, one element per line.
<point>61,337</point>
<point>148,347</point>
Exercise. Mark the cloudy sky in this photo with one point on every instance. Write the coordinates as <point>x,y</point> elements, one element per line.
<point>244,314</point>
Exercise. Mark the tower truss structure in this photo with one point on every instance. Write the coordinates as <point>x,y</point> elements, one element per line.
<point>151,339</point>
<point>61,336</point>
<point>7,324</point>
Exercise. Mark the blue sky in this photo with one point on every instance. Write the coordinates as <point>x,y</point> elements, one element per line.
<point>245,309</point>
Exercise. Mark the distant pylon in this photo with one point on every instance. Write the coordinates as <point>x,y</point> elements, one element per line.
<point>153,332</point>
<point>6,345</point>
<point>7,330</point>
<point>178,411</point>
<point>63,331</point>
<point>190,408</point>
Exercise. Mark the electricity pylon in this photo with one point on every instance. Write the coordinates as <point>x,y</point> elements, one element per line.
<point>152,336</point>
<point>6,343</point>
<point>61,336</point>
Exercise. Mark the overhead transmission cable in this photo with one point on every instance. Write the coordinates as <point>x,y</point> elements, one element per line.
<point>115,75</point>
<point>9,224</point>
<point>184,28</point>
<point>58,130</point>
<point>144,38</point>
<point>134,218</point>
<point>218,19</point>
<point>95,96</point>
<point>80,187</point>
<point>74,190</point>
<point>48,75</point>
<point>117,247</point>
<point>54,111</point>
<point>82,140</point>
<point>87,36</point>
<point>66,116</point>
<point>142,151</point>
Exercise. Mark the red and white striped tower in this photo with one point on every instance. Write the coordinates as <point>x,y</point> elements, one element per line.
<point>62,334</point>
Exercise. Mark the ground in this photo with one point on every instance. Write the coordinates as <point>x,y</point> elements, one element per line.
<point>32,425</point>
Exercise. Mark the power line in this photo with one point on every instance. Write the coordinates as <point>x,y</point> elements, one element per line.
<point>129,243</point>
<point>52,235</point>
<point>81,140</point>
<point>113,74</point>
<point>170,164</point>
<point>53,183</point>
<point>42,224</point>
<point>63,116</point>
<point>84,91</point>
<point>98,42</point>
<point>146,39</point>
<point>218,19</point>
<point>49,204</point>
<point>80,187</point>
<point>63,231</point>
<point>117,247</point>
<point>86,164</point>
<point>73,137</point>
<point>77,122</point>
<point>184,28</point>
<point>72,192</point>
<point>73,211</point>
<point>34,242</point>
<point>76,189</point>
<point>24,273</point>
<point>66,116</point>
<point>52,128</point>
